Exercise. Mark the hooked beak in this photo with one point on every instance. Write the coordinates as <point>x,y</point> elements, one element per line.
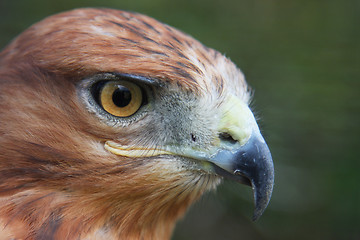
<point>248,159</point>
<point>250,164</point>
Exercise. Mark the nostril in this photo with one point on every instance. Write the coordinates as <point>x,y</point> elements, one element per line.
<point>227,138</point>
<point>193,137</point>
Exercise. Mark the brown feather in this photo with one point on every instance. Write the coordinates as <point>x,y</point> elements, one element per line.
<point>56,179</point>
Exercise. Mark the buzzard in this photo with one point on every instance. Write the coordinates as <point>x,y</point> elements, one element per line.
<point>112,124</point>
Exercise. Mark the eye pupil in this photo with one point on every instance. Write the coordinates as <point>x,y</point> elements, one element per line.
<point>121,96</point>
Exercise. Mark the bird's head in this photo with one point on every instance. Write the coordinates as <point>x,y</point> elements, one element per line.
<point>124,121</point>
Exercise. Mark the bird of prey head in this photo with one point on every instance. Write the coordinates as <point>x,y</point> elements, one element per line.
<point>112,124</point>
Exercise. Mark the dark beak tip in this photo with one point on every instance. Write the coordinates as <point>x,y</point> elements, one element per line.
<point>260,206</point>
<point>262,193</point>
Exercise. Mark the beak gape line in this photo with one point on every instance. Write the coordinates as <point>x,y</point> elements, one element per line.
<point>250,164</point>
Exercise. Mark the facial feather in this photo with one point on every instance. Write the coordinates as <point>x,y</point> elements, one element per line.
<point>56,179</point>
<point>60,150</point>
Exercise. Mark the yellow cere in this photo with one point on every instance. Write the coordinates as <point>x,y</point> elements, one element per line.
<point>237,120</point>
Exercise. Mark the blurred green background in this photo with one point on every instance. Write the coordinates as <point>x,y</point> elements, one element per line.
<point>303,60</point>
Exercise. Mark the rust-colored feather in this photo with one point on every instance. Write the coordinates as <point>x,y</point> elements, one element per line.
<point>56,179</point>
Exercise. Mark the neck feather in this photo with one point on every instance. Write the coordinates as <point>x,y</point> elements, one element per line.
<point>123,206</point>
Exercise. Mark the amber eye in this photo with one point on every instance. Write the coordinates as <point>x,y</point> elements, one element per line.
<point>120,98</point>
